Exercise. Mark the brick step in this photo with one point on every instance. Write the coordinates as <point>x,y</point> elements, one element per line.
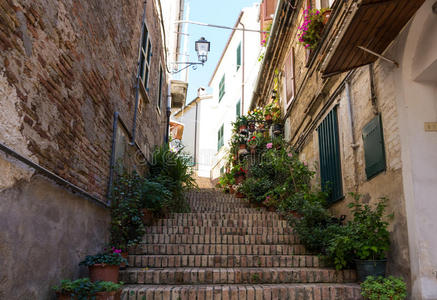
<point>253,239</point>
<point>208,201</point>
<point>217,249</point>
<point>222,222</point>
<point>235,275</point>
<point>318,291</point>
<point>217,230</point>
<point>259,215</point>
<point>224,261</point>
<point>239,210</point>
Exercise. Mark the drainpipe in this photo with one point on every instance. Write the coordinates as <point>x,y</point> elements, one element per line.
<point>195,133</point>
<point>372,90</point>
<point>167,132</point>
<point>242,68</point>
<point>137,85</point>
<point>354,145</point>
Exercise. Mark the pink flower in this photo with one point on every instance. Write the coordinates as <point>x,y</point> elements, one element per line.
<point>118,251</point>
<point>269,146</point>
<point>290,154</point>
<point>305,164</point>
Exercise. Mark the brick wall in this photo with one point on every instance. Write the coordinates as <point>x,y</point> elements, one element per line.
<point>69,65</point>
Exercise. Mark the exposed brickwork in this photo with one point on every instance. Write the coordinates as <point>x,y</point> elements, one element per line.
<point>217,253</point>
<point>72,65</point>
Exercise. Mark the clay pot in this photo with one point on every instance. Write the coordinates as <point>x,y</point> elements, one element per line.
<point>147,217</point>
<point>124,255</point>
<point>104,272</point>
<point>268,118</point>
<point>325,16</point>
<point>239,195</point>
<point>108,295</point>
<point>243,146</point>
<point>242,128</point>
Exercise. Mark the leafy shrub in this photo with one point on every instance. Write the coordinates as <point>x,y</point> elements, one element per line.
<point>310,31</point>
<point>155,196</point>
<point>108,286</point>
<point>79,289</point>
<point>103,258</point>
<point>127,227</point>
<point>381,288</point>
<point>256,189</point>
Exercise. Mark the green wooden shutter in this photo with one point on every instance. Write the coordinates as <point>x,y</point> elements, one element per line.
<point>374,152</point>
<point>329,150</point>
<point>239,56</point>
<point>238,108</point>
<point>222,88</point>
<point>220,141</point>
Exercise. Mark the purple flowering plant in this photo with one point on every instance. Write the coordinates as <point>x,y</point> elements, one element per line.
<point>309,33</point>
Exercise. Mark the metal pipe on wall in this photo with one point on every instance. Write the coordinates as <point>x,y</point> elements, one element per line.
<point>242,68</point>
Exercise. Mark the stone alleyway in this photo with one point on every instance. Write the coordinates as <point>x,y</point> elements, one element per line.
<point>226,249</point>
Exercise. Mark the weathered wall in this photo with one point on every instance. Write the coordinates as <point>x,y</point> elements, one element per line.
<point>46,232</point>
<point>315,98</point>
<point>68,66</point>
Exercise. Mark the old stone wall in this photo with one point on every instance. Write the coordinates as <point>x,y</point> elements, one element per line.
<point>65,68</point>
<point>316,97</point>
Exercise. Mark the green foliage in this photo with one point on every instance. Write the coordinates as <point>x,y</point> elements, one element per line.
<point>103,258</point>
<point>380,288</point>
<point>256,189</point>
<point>173,171</point>
<point>310,31</point>
<point>108,286</point>
<point>80,289</point>
<point>155,196</point>
<point>84,289</point>
<point>127,227</point>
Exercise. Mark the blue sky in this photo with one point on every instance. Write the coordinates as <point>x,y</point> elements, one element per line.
<point>217,12</point>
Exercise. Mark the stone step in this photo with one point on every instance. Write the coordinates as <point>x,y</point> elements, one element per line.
<point>239,210</point>
<point>221,222</point>
<point>261,215</point>
<point>235,275</point>
<point>318,291</point>
<point>253,239</point>
<point>223,261</point>
<point>217,249</point>
<point>217,230</point>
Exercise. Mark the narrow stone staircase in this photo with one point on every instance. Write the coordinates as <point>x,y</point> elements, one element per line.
<point>226,249</point>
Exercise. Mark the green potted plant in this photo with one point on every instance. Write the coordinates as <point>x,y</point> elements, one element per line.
<point>310,32</point>
<point>80,289</point>
<point>380,288</point>
<point>154,200</point>
<point>240,125</point>
<point>239,174</point>
<point>252,142</point>
<point>104,266</point>
<point>107,290</point>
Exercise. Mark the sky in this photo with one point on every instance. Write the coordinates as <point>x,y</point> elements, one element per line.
<point>216,12</point>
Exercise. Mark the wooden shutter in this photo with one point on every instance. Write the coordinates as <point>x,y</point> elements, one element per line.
<point>269,9</point>
<point>238,56</point>
<point>374,152</point>
<point>329,151</point>
<point>220,141</point>
<point>238,108</point>
<point>289,76</point>
<point>222,88</point>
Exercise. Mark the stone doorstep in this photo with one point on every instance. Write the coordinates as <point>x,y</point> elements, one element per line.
<point>217,230</point>
<point>223,261</point>
<point>317,291</point>
<point>252,239</point>
<point>235,275</point>
<point>219,249</point>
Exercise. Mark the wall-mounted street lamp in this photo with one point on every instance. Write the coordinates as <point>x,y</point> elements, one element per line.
<point>202,47</point>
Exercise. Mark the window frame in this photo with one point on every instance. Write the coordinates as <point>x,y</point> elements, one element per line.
<point>292,74</point>
<point>238,56</point>
<point>220,140</point>
<point>145,58</point>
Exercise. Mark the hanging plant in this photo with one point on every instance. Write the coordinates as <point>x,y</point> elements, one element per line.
<point>310,32</point>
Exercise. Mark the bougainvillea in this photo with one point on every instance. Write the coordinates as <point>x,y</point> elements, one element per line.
<point>311,29</point>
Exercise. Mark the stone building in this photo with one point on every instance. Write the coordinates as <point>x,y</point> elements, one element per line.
<point>83,85</point>
<point>365,118</point>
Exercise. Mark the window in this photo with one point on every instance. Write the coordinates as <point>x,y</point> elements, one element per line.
<point>374,152</point>
<point>238,108</point>
<point>329,151</point>
<point>222,88</point>
<point>145,54</point>
<point>222,170</point>
<point>289,76</point>
<point>161,78</point>
<point>220,141</point>
<point>324,3</point>
<point>238,56</point>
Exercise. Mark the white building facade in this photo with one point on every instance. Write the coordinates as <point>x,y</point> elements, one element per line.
<point>232,83</point>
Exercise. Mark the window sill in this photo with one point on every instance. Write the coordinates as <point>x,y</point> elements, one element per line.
<point>144,92</point>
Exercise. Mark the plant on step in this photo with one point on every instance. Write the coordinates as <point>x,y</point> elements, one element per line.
<point>108,286</point>
<point>155,197</point>
<point>309,33</point>
<point>380,288</point>
<point>126,228</point>
<point>80,289</point>
<point>255,189</point>
<point>239,123</point>
<point>109,258</point>
<point>173,170</point>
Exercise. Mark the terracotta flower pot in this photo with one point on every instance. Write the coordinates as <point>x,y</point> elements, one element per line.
<point>147,217</point>
<point>104,272</point>
<point>268,118</point>
<point>108,295</point>
<point>124,255</point>
<point>239,195</point>
<point>243,146</point>
<point>325,16</point>
<point>242,128</point>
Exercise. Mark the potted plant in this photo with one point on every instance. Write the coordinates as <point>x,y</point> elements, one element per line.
<point>269,110</point>
<point>106,290</point>
<point>240,124</point>
<point>237,188</point>
<point>380,288</point>
<point>252,143</point>
<point>239,174</point>
<point>104,266</point>
<point>154,199</point>
<point>310,32</point>
<point>79,289</point>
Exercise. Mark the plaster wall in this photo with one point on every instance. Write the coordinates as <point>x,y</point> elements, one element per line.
<point>46,232</point>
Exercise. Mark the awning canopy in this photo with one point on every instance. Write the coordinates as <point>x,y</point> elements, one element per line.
<point>373,25</point>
